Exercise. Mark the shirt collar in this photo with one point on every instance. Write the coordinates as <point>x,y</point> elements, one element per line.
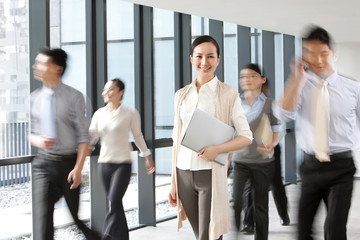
<point>332,78</point>
<point>317,80</point>
<point>212,84</point>
<point>120,108</point>
<point>260,97</point>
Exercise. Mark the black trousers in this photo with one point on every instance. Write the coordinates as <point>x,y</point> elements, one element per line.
<point>260,174</point>
<point>331,182</point>
<point>278,192</point>
<point>115,178</point>
<point>49,185</point>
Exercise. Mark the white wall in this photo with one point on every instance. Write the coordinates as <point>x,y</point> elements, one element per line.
<point>348,64</point>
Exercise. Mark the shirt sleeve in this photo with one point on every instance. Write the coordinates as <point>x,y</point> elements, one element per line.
<point>135,125</point>
<point>358,106</point>
<point>276,123</point>
<point>93,129</point>
<point>81,123</point>
<point>35,124</point>
<point>282,114</point>
<point>239,121</point>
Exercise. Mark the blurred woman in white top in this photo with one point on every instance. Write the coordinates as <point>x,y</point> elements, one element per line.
<point>113,124</point>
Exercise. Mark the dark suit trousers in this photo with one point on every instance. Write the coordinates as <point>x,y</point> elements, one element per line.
<point>115,178</point>
<point>277,186</point>
<point>278,192</point>
<point>329,181</point>
<point>260,175</point>
<point>49,185</point>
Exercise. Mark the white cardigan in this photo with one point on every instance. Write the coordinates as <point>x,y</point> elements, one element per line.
<point>220,207</point>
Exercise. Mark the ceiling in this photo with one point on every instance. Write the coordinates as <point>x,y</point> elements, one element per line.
<point>340,17</point>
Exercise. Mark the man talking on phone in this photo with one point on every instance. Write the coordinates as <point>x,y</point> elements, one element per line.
<point>326,106</point>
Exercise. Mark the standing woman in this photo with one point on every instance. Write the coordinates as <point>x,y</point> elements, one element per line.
<point>255,162</point>
<point>113,124</point>
<point>199,185</point>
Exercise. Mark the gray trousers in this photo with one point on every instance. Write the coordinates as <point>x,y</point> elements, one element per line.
<point>194,189</point>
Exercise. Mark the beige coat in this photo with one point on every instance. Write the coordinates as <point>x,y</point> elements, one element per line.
<point>220,208</point>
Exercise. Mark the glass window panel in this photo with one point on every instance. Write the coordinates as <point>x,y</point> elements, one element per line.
<point>121,65</point>
<point>75,74</point>
<point>164,76</point>
<point>163,182</point>
<point>230,55</point>
<point>120,24</point>
<point>14,79</point>
<point>163,23</point>
<point>230,28</point>
<point>72,19</point>
<point>15,200</point>
<point>199,26</point>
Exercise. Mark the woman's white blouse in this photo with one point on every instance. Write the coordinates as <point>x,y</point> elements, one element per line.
<point>113,128</point>
<point>205,100</point>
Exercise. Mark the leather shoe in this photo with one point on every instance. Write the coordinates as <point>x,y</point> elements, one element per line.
<point>285,220</point>
<point>247,229</point>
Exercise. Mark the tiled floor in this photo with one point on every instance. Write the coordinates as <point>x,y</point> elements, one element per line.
<point>167,230</point>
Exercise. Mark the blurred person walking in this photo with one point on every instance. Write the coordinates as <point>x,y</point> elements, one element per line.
<point>326,107</point>
<point>59,129</point>
<point>113,124</point>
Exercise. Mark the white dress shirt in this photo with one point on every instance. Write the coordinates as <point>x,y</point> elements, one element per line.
<point>114,130</point>
<point>344,96</point>
<point>204,100</point>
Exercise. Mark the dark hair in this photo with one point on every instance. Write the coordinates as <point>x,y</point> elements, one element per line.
<point>316,33</point>
<point>58,56</point>
<point>254,67</point>
<point>203,39</point>
<point>120,84</point>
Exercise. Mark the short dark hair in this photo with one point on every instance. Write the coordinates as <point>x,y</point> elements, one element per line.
<point>58,56</point>
<point>254,67</point>
<point>120,84</point>
<point>203,39</point>
<point>316,33</point>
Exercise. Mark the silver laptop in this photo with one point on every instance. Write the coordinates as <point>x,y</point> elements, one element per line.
<point>205,130</point>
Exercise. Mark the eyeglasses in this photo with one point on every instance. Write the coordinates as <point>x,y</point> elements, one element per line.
<point>251,76</point>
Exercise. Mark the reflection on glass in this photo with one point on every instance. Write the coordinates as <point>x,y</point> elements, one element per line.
<point>164,72</point>
<point>162,182</point>
<point>230,55</point>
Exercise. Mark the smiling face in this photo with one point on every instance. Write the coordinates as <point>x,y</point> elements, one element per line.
<point>250,80</point>
<point>319,57</point>
<point>205,60</point>
<point>111,93</point>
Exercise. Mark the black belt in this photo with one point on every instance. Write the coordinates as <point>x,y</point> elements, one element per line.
<point>57,157</point>
<point>341,155</point>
